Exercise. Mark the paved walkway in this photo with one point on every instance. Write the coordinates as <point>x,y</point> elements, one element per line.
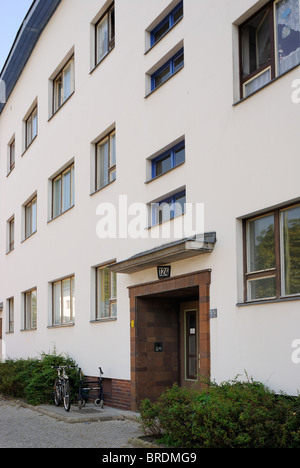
<point>25,426</point>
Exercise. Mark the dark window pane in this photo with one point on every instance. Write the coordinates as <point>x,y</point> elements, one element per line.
<point>261,244</point>
<point>178,14</point>
<point>179,156</point>
<point>163,165</point>
<point>178,63</point>
<point>161,31</point>
<point>256,43</point>
<point>162,76</point>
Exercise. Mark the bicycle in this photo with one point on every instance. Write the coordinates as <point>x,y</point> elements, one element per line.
<point>62,388</point>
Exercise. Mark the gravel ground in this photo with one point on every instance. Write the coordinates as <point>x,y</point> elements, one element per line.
<point>24,428</point>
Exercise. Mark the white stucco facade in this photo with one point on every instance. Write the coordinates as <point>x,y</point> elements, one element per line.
<point>241,158</point>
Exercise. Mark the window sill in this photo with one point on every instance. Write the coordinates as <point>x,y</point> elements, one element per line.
<point>168,79</point>
<point>268,301</point>
<point>27,148</point>
<point>62,325</point>
<point>161,175</point>
<point>27,329</point>
<point>57,110</point>
<point>26,238</point>
<point>59,215</point>
<point>10,251</point>
<point>265,86</point>
<point>104,319</point>
<point>103,58</point>
<point>101,188</point>
<point>10,171</point>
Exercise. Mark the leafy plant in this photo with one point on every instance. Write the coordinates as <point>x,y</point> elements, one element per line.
<point>32,379</point>
<point>233,414</point>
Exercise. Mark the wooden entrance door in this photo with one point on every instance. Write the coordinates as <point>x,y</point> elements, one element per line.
<point>189,343</point>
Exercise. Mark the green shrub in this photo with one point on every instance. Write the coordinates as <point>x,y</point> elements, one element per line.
<point>32,379</point>
<point>230,415</point>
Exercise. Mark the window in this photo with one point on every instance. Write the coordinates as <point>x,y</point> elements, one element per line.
<point>30,217</point>
<point>30,310</point>
<point>10,314</point>
<point>105,162</point>
<point>166,24</point>
<point>31,127</point>
<point>270,44</point>
<point>63,304</point>
<point>168,208</point>
<point>105,34</point>
<point>63,85</point>
<point>168,160</point>
<point>167,70</point>
<point>63,191</point>
<point>12,151</point>
<point>11,234</point>
<point>272,255</point>
<point>106,293</point>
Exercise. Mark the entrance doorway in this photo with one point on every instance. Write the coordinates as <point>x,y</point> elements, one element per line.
<point>170,339</point>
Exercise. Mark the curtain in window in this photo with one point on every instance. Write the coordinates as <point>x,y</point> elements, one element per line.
<point>258,82</point>
<point>102,38</point>
<point>288,35</point>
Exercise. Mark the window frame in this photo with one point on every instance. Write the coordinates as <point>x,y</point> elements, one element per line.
<point>72,298</point>
<point>70,168</point>
<point>112,299</point>
<point>110,40</point>
<point>172,153</point>
<point>272,64</point>
<point>111,168</point>
<point>10,314</point>
<point>30,316</point>
<point>275,271</point>
<point>12,155</point>
<point>170,200</point>
<point>30,136</point>
<point>30,205</point>
<point>11,234</point>
<point>167,19</point>
<point>169,64</point>
<point>60,76</point>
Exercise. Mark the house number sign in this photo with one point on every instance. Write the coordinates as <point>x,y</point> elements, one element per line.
<point>163,272</point>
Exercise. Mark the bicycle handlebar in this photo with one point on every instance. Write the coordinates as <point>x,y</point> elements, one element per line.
<point>62,367</point>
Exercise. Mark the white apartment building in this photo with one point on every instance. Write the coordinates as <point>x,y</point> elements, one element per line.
<point>135,135</point>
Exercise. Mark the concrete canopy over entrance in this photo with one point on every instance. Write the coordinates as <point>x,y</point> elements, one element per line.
<point>166,316</point>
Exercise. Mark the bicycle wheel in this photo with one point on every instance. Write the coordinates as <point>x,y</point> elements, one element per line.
<point>57,392</point>
<point>66,396</point>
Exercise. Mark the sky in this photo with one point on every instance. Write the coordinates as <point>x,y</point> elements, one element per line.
<point>12,14</point>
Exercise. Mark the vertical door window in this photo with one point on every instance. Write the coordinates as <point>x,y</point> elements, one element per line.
<point>191,344</point>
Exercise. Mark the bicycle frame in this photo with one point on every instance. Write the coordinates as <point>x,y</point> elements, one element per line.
<point>62,387</point>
